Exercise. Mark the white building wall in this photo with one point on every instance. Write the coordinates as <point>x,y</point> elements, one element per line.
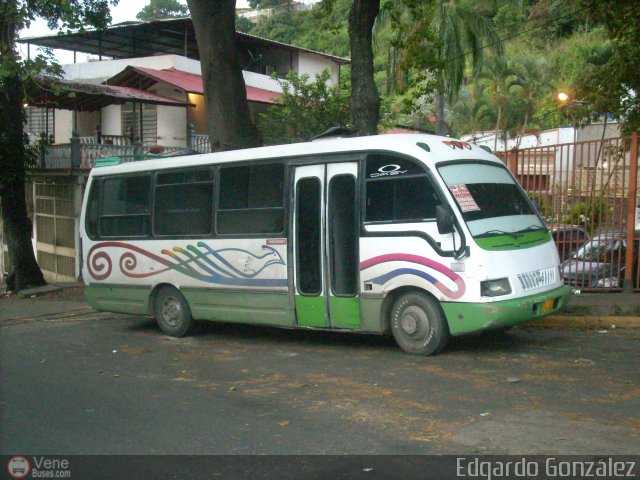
<point>63,126</point>
<point>99,70</point>
<point>172,121</point>
<point>554,136</point>
<point>264,82</point>
<point>311,64</point>
<point>111,120</point>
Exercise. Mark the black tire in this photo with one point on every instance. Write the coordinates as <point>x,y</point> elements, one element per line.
<point>418,324</point>
<point>172,313</point>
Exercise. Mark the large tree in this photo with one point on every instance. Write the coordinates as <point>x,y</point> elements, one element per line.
<point>15,153</point>
<point>614,86</point>
<point>441,38</point>
<point>159,9</point>
<point>365,101</point>
<point>230,125</point>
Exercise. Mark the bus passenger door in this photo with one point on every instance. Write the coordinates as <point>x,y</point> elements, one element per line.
<point>326,259</point>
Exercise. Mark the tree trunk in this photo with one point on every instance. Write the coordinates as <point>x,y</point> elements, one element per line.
<point>365,101</point>
<point>441,126</point>
<point>230,125</point>
<point>24,271</point>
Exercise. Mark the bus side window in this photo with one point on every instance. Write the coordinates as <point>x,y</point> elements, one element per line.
<point>399,191</point>
<point>183,203</point>
<point>251,200</point>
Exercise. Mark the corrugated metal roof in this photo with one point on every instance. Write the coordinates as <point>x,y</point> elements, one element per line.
<point>143,77</point>
<point>143,39</point>
<point>72,95</point>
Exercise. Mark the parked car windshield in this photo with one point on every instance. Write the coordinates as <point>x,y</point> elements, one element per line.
<point>491,202</point>
<point>599,250</point>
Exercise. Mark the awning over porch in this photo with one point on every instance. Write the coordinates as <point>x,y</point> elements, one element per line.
<point>142,77</point>
<point>79,96</point>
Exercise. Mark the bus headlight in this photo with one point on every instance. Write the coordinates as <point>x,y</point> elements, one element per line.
<point>495,288</point>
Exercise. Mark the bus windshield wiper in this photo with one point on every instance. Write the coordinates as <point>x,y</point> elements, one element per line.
<point>494,233</point>
<point>532,228</point>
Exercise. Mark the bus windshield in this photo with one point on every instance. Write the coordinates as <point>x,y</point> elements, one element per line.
<point>490,201</point>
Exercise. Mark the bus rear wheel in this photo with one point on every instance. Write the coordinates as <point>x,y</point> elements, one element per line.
<point>418,324</point>
<point>172,313</point>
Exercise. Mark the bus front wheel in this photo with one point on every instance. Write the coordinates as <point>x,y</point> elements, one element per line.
<point>172,313</point>
<point>418,324</point>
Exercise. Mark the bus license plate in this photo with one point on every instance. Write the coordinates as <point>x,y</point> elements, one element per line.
<point>547,306</point>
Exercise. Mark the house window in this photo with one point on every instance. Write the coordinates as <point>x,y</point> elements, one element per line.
<point>39,121</point>
<point>131,112</point>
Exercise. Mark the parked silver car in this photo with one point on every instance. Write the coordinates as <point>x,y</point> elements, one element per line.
<point>600,263</point>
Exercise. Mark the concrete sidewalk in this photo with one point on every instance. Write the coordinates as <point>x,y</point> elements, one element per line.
<point>586,310</point>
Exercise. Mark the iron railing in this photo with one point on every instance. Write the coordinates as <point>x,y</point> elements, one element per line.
<point>587,193</point>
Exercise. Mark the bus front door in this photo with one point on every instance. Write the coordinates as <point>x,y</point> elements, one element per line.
<point>325,226</point>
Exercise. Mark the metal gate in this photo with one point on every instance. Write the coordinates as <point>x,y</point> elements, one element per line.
<point>55,227</point>
<point>588,191</point>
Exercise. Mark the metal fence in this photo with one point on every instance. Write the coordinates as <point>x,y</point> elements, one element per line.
<point>56,242</point>
<point>587,194</point>
<point>81,153</point>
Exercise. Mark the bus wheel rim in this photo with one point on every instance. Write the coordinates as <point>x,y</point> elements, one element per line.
<point>414,322</point>
<point>171,311</point>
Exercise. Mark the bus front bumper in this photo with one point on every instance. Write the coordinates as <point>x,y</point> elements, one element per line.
<point>474,317</point>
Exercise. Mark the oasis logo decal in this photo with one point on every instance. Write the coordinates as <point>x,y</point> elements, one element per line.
<point>456,144</point>
<point>388,171</point>
<point>226,266</point>
<point>417,260</point>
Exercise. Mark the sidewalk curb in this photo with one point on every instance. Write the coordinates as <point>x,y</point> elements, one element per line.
<point>587,322</point>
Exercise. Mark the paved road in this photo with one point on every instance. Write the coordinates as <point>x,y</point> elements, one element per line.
<point>83,382</point>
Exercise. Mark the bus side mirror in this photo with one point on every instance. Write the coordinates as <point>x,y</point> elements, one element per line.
<point>444,219</point>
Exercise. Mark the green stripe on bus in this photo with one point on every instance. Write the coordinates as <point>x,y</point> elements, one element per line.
<point>472,317</point>
<point>508,242</point>
<point>260,308</point>
<point>121,299</point>
<point>311,311</point>
<point>345,312</point>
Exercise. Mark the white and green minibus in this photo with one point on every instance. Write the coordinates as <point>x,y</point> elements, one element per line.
<point>422,236</point>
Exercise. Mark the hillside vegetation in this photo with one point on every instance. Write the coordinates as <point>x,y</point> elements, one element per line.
<point>547,46</point>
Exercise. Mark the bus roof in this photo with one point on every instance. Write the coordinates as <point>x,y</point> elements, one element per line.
<point>430,149</point>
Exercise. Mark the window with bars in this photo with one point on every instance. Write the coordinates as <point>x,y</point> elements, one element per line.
<point>130,113</point>
<point>39,121</point>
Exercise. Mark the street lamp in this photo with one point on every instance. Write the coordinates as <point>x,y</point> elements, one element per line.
<point>564,97</point>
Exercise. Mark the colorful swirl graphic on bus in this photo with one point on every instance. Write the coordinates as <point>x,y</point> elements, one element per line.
<point>402,257</point>
<point>200,262</point>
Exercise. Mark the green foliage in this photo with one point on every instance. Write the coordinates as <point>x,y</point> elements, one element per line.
<point>322,29</point>
<point>614,85</point>
<point>306,108</point>
<point>159,9</point>
<point>18,75</point>
<point>509,19</point>
<point>589,49</point>
<point>243,24</point>
<point>590,215</point>
<point>551,20</point>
